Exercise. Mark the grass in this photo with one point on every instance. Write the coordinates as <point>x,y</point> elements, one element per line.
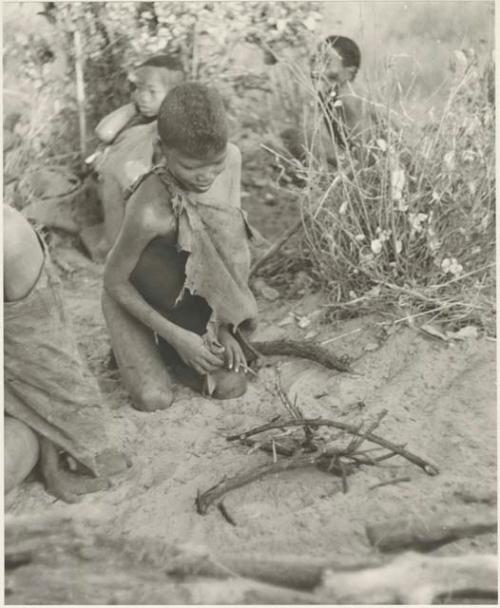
<point>412,224</point>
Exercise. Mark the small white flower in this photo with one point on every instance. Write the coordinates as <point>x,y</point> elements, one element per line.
<point>451,266</point>
<point>416,220</point>
<point>376,246</point>
<point>343,208</point>
<point>399,246</point>
<point>360,237</point>
<point>382,144</point>
<point>398,180</point>
<point>449,160</point>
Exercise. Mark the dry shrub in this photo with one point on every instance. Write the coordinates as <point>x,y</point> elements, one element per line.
<point>409,220</point>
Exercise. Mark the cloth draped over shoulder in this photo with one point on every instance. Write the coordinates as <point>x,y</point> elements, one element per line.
<point>130,156</point>
<point>47,384</point>
<point>216,237</point>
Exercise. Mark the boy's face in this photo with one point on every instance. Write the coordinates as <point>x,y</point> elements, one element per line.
<point>329,73</point>
<point>151,86</point>
<point>195,174</point>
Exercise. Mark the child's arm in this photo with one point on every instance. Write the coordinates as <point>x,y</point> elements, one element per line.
<point>113,123</point>
<point>140,226</point>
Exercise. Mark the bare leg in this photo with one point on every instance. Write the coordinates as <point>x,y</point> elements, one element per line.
<point>159,277</point>
<point>21,452</point>
<point>143,372</point>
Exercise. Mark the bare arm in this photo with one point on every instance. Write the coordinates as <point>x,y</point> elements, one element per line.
<point>113,123</point>
<point>142,224</point>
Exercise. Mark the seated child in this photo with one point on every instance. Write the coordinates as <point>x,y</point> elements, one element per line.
<point>130,131</point>
<point>333,69</point>
<point>176,281</point>
<point>52,403</point>
<point>334,66</point>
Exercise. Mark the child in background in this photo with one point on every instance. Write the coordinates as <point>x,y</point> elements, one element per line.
<point>129,132</point>
<point>176,281</point>
<point>333,68</point>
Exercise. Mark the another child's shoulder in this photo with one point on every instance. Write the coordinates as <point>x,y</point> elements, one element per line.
<point>147,187</point>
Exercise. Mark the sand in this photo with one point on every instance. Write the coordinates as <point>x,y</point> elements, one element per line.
<point>441,402</point>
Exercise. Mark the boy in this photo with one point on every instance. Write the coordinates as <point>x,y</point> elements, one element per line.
<point>130,131</point>
<point>51,401</point>
<point>333,68</point>
<point>179,268</point>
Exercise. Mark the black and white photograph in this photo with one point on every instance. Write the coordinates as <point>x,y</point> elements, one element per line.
<point>249,303</point>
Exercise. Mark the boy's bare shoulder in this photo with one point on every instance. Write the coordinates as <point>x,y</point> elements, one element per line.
<point>148,204</point>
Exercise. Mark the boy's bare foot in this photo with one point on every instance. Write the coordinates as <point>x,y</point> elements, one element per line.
<point>63,484</point>
<point>112,462</point>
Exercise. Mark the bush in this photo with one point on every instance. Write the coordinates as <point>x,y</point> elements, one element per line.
<point>414,223</point>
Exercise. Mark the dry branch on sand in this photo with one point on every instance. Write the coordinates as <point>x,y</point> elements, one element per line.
<point>412,533</point>
<point>67,557</point>
<point>293,348</point>
<point>340,461</point>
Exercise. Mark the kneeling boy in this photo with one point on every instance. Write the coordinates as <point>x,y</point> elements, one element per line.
<point>176,282</point>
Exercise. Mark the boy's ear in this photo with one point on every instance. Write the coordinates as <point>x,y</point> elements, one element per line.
<point>351,72</point>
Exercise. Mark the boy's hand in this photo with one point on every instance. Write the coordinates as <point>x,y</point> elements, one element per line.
<point>193,350</point>
<point>233,353</point>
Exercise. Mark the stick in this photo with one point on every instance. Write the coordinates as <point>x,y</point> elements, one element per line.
<point>412,578</point>
<point>80,90</point>
<point>276,247</point>
<point>429,468</point>
<point>67,558</point>
<point>222,508</point>
<point>267,447</point>
<point>294,410</point>
<point>390,482</point>
<point>204,500</point>
<point>304,350</point>
<point>428,534</point>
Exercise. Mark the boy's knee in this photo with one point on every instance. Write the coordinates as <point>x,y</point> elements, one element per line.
<point>153,399</point>
<point>229,385</point>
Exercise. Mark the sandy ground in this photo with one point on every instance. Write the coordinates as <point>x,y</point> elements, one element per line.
<point>441,401</point>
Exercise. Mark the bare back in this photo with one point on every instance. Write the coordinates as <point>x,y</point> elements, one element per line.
<point>23,255</point>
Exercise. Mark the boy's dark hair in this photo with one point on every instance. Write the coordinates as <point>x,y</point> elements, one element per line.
<point>192,119</point>
<point>346,48</point>
<point>170,62</point>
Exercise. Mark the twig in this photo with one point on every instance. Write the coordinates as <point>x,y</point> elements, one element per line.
<point>305,350</point>
<point>222,508</point>
<point>296,413</point>
<point>373,426</point>
<point>429,468</point>
<point>204,500</point>
<point>80,90</point>
<point>390,482</point>
<point>276,247</point>
<point>267,447</point>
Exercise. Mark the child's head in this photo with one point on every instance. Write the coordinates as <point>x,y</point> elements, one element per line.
<point>335,63</point>
<point>193,134</point>
<point>152,80</point>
